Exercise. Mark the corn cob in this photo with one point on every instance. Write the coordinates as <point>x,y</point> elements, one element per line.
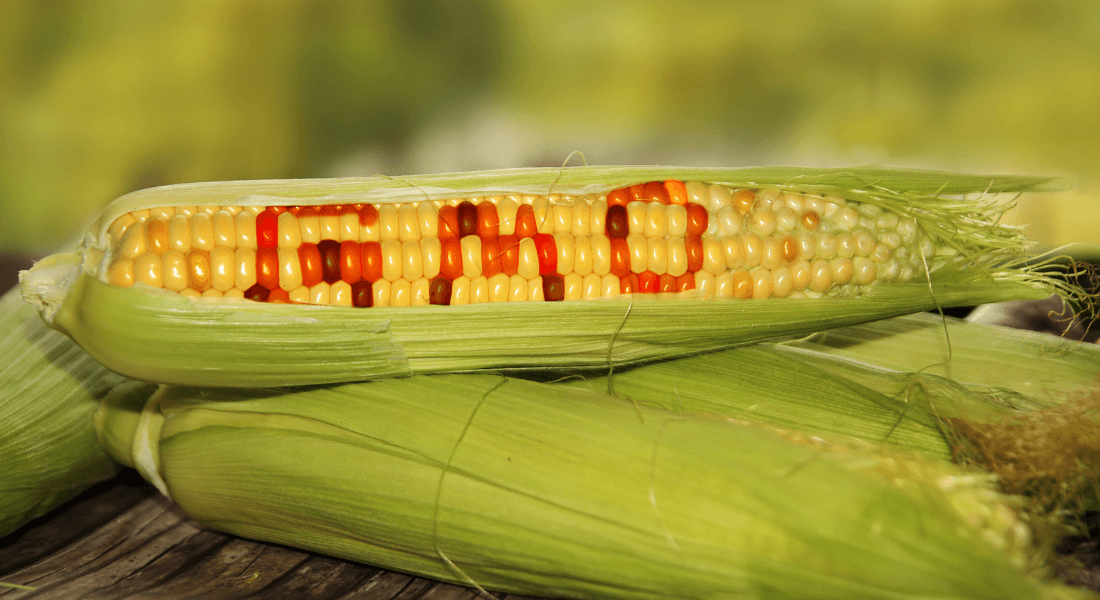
<point>49,390</point>
<point>516,486</point>
<point>353,259</point>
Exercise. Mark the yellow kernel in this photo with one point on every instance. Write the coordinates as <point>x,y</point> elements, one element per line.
<point>719,197</point>
<point>319,294</point>
<point>460,291</point>
<point>772,255</point>
<point>471,256</point>
<point>591,287</point>
<point>121,225</point>
<point>401,293</point>
<point>132,243</point>
<point>225,228</point>
<point>821,276</point>
<point>734,252</point>
<point>582,255</point>
<point>431,254</point>
<point>658,255</point>
<point>498,288</point>
<point>677,220</point>
<point>754,249</point>
<point>506,215</point>
<point>574,287</point>
<point>233,293</point>
<point>389,222</point>
<point>412,261</point>
<point>198,267</point>
<point>656,220</point>
<point>865,242</point>
<point>409,218</point>
<point>800,274</point>
<point>697,192</point>
<point>864,270</point>
<point>677,256</point>
<point>339,293</point>
<point>298,294</point>
<point>730,221</point>
<point>845,245</point>
<point>597,217</point>
<point>639,252</point>
<point>179,233</point>
<point>842,270</point>
<point>704,283</point>
<point>534,290</point>
<point>190,293</point>
<point>786,219</point>
<point>162,212</point>
<point>762,284</point>
<point>723,284</point>
<point>544,215</point>
<point>582,224</point>
<point>517,288</point>
<point>601,255</point>
<point>762,221</point>
<point>380,289</point>
<point>213,293</point>
<point>290,268</point>
<point>187,211</point>
<point>330,226</point>
<point>427,221</point>
<point>221,268</point>
<point>121,272</point>
<point>174,268</point>
<point>420,294</point>
<point>610,286</point>
<point>290,234</point>
<point>563,218</point>
<point>244,270</point>
<point>246,230</point>
<point>148,269</point>
<point>782,283</point>
<point>636,216</point>
<point>714,256</point>
<point>391,259</point>
<point>528,266</point>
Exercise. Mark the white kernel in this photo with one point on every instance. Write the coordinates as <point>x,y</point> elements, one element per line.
<point>246,229</point>
<point>719,197</point>
<point>290,234</point>
<point>635,217</point>
<point>782,283</point>
<point>872,210</point>
<point>676,220</point>
<point>786,219</point>
<point>412,261</point>
<point>528,259</point>
<point>498,288</point>
<point>222,263</point>
<point>601,255</point>
<point>401,293</point>
<point>319,294</point>
<point>800,274</point>
<point>907,229</point>
<point>517,288</point>
<point>590,287</point>
<point>658,256</point>
<point>865,270</point>
<point>389,223</point>
<point>842,270</point>
<point>714,256</point>
<point>881,254</point>
<point>813,202</point>
<point>582,225</point>
<point>339,293</point>
<point>544,214</point>
<point>864,241</point>
<point>656,220</point>
<point>391,259</point>
<point>431,256</point>
<point>298,294</point>
<point>754,249</point>
<point>927,247</point>
<point>887,221</point>
<point>821,276</point>
<point>582,255</point>
<point>891,239</point>
<point>610,286</point>
<point>734,251</point>
<point>845,245</point>
<point>639,252</point>
<point>597,217</point>
<point>534,290</point>
<point>867,222</point>
<point>697,192</point>
<point>574,287</point>
<point>677,256</point>
<point>731,221</point>
<point>827,245</point>
<point>845,219</point>
<point>179,233</point>
<point>704,283</point>
<point>349,226</point>
<point>244,267</point>
<point>427,220</point>
<point>762,284</point>
<point>890,270</point>
<point>807,245</point>
<point>379,289</point>
<point>763,221</point>
<point>767,197</point>
<point>793,201</point>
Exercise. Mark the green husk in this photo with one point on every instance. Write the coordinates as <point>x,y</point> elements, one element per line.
<point>523,487</point>
<point>49,390</point>
<point>163,337</point>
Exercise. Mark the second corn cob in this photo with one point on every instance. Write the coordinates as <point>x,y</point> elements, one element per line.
<point>517,486</point>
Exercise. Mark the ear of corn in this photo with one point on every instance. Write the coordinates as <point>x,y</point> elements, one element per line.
<point>123,324</point>
<point>1045,368</point>
<point>49,389</point>
<point>522,487</point>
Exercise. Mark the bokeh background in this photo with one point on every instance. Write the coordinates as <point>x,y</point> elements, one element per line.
<point>100,98</point>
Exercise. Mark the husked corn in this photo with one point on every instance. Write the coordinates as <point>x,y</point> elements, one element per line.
<point>676,237</point>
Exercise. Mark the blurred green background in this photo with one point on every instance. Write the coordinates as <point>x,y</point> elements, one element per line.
<point>100,98</point>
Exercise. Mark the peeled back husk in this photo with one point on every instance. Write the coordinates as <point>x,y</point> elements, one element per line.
<point>523,487</point>
<point>164,337</point>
